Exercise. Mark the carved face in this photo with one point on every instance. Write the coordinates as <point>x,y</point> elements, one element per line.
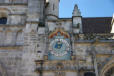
<point>59,47</point>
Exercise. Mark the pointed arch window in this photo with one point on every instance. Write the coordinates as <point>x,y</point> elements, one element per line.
<point>3,18</point>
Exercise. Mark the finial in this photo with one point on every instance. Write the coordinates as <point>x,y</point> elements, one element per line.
<point>76,11</point>
<point>47,1</point>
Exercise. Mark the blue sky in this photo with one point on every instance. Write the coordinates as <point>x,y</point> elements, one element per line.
<point>88,8</point>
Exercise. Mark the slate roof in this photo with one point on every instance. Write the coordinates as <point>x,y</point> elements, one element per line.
<point>97,25</point>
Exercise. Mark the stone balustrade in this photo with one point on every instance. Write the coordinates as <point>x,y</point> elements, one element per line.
<point>53,66</point>
<point>92,37</point>
<point>82,67</point>
<point>55,69</point>
<point>64,68</point>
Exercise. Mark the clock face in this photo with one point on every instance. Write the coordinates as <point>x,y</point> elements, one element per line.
<point>59,47</point>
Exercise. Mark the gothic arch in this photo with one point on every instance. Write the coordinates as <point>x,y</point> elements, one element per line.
<point>4,15</point>
<point>107,67</point>
<point>4,12</point>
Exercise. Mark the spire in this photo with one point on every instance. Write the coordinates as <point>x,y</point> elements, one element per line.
<point>76,11</point>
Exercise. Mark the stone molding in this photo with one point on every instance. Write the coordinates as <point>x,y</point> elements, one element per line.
<point>11,47</point>
<point>107,66</point>
<point>7,25</point>
<point>14,4</point>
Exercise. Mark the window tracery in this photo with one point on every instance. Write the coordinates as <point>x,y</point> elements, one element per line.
<point>110,72</point>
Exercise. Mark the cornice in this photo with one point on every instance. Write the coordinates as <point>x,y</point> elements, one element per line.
<point>13,4</point>
<point>92,42</point>
<point>7,25</point>
<point>10,47</point>
<point>32,22</point>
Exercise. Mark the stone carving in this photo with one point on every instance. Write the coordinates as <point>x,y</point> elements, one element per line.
<point>94,36</point>
<point>34,25</point>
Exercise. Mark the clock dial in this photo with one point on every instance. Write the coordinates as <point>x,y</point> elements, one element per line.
<point>59,47</point>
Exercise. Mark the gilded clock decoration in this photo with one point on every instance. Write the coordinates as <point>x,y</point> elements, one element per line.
<point>59,47</point>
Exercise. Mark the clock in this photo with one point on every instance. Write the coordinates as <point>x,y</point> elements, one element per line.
<point>59,47</point>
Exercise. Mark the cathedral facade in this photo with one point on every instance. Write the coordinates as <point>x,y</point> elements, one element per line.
<point>34,41</point>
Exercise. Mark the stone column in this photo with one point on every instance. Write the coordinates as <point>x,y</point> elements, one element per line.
<point>95,60</point>
<point>95,66</point>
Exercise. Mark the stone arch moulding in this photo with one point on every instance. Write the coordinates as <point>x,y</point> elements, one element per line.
<point>62,32</point>
<point>19,31</point>
<point>4,12</point>
<point>107,66</point>
<point>3,70</point>
<point>19,37</point>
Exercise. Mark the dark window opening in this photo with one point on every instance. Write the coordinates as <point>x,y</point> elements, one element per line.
<point>39,52</point>
<point>3,20</point>
<point>41,24</point>
<point>89,74</point>
<point>78,25</point>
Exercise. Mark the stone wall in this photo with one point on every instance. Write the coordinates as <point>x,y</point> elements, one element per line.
<point>11,35</point>
<point>23,41</point>
<point>65,24</point>
<point>11,58</point>
<point>87,52</point>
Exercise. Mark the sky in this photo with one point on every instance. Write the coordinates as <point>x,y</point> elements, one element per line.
<point>88,8</point>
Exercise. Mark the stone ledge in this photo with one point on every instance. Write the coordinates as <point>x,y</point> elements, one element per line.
<point>104,55</point>
<point>8,25</point>
<point>33,22</point>
<point>18,14</point>
<point>69,70</point>
<point>92,41</point>
<point>8,4</point>
<point>54,61</point>
<point>10,47</point>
